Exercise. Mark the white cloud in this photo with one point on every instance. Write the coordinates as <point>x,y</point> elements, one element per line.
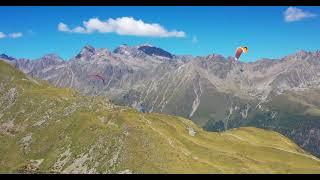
<point>195,39</point>
<point>2,35</point>
<point>122,26</point>
<point>15,35</point>
<point>63,27</point>
<point>11,35</point>
<point>295,14</point>
<point>79,30</point>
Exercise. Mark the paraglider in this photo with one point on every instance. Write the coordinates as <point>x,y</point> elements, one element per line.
<point>239,51</point>
<point>96,76</point>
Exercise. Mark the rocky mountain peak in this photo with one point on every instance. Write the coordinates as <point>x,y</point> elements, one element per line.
<point>122,49</point>
<point>88,48</point>
<point>216,57</point>
<point>317,53</point>
<point>102,50</point>
<point>145,44</point>
<point>130,51</point>
<point>299,55</point>
<point>143,50</point>
<point>302,53</point>
<point>52,57</point>
<point>155,51</point>
<point>86,51</point>
<point>230,58</point>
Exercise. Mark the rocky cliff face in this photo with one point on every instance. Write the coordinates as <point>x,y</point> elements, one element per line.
<point>210,90</point>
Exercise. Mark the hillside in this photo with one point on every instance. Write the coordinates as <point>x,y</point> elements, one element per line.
<point>44,129</point>
<point>209,90</point>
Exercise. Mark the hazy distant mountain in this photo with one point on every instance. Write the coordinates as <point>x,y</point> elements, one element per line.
<point>41,64</point>
<point>278,94</point>
<point>6,57</point>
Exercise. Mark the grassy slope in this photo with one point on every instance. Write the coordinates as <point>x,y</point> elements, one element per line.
<point>70,133</point>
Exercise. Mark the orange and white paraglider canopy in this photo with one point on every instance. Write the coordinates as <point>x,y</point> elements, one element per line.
<point>240,50</point>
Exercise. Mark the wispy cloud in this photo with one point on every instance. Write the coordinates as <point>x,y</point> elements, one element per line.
<point>121,26</point>
<point>11,35</point>
<point>295,14</point>
<point>195,39</point>
<point>2,35</point>
<point>15,35</point>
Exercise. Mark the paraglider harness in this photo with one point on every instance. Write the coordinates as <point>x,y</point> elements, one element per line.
<point>235,61</point>
<point>141,108</point>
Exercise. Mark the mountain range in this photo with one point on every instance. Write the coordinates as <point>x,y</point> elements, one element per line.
<point>45,129</point>
<point>274,94</point>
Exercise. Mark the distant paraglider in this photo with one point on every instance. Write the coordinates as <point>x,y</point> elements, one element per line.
<point>98,77</point>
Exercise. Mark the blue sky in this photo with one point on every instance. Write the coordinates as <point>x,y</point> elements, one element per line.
<point>31,32</point>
